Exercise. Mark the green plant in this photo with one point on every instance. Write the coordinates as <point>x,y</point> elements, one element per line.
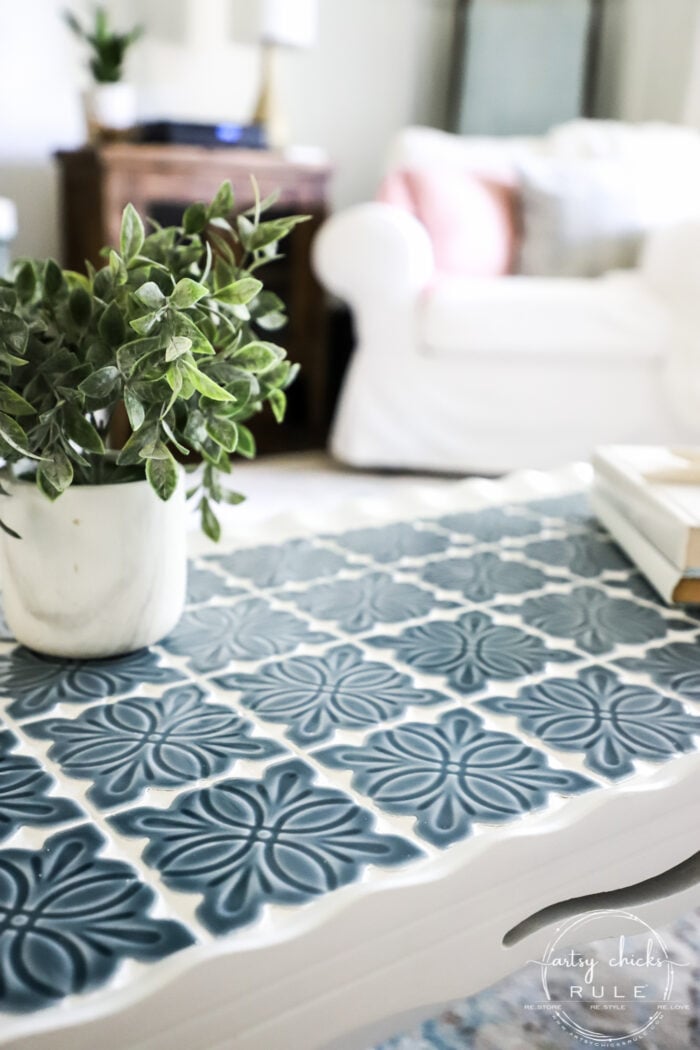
<point>173,327</point>
<point>108,48</point>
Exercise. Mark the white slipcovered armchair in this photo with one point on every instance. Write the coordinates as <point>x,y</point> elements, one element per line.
<point>489,375</point>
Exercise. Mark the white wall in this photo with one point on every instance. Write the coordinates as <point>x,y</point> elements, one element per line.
<point>648,52</point>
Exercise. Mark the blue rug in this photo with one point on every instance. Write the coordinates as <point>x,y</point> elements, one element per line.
<point>498,1018</point>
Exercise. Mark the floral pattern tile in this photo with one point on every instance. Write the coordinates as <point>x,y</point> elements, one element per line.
<point>242,844</point>
<point>675,666</point>
<point>585,555</point>
<point>610,722</point>
<point>25,792</point>
<point>483,577</point>
<point>35,684</point>
<point>471,651</point>
<point>452,774</point>
<point>69,917</point>
<point>392,543</point>
<point>574,508</point>
<point>491,525</point>
<point>291,562</point>
<point>314,695</point>
<point>142,742</point>
<point>203,585</point>
<point>251,629</point>
<point>594,620</point>
<point>361,604</point>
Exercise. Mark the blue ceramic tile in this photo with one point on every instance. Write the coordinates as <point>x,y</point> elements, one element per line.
<point>273,565</point>
<point>24,792</point>
<point>390,543</point>
<point>244,843</point>
<point>471,651</point>
<point>68,918</point>
<point>608,721</point>
<point>314,695</point>
<point>35,683</point>
<point>143,742</point>
<point>452,774</point>
<point>203,585</point>
<point>593,619</point>
<point>359,605</point>
<point>575,508</point>
<point>675,666</point>
<point>482,577</point>
<point>585,555</point>
<point>491,524</point>
<point>213,636</point>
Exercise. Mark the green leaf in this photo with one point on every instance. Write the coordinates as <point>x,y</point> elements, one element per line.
<point>210,522</point>
<point>132,233</point>
<point>13,434</point>
<point>224,432</point>
<point>195,218</point>
<point>162,475</point>
<point>111,327</point>
<point>55,474</point>
<point>150,295</point>
<point>81,431</point>
<point>222,205</point>
<point>131,354</point>
<point>101,383</point>
<point>240,292</point>
<point>178,345</point>
<point>80,306</point>
<point>258,357</point>
<point>143,325</point>
<point>54,281</point>
<point>187,293</point>
<point>25,282</point>
<point>278,404</point>
<point>234,498</point>
<point>207,386</point>
<point>13,403</point>
<point>130,454</point>
<point>117,267</point>
<point>134,409</point>
<point>246,442</point>
<point>14,333</point>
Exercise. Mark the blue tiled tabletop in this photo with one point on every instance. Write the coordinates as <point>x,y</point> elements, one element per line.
<point>329,706</point>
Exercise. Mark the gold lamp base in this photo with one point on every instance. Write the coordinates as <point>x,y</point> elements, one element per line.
<point>268,112</point>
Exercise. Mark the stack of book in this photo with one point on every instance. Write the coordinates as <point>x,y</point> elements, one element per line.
<point>648,498</point>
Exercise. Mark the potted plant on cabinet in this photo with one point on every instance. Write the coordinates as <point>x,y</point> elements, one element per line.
<point>172,329</point>
<point>110,103</point>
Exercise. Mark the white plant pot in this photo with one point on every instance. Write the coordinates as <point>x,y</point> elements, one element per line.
<point>99,572</point>
<point>109,108</point>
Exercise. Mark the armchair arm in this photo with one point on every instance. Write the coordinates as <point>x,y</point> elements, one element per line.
<point>671,262</point>
<point>374,251</point>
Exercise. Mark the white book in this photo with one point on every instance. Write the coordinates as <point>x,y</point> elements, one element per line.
<point>673,585</point>
<point>658,490</point>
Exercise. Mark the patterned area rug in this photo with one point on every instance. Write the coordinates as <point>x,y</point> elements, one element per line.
<point>498,1018</point>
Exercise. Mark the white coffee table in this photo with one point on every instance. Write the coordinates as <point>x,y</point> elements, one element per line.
<point>387,751</point>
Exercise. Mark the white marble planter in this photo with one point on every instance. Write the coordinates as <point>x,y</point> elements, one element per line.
<point>101,571</point>
<point>109,108</point>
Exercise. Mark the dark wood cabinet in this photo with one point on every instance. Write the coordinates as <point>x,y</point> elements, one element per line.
<point>160,181</point>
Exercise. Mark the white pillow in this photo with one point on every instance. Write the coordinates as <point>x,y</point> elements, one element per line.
<point>580,218</point>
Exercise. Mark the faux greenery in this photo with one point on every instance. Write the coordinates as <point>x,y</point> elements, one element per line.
<point>108,48</point>
<point>173,327</point>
